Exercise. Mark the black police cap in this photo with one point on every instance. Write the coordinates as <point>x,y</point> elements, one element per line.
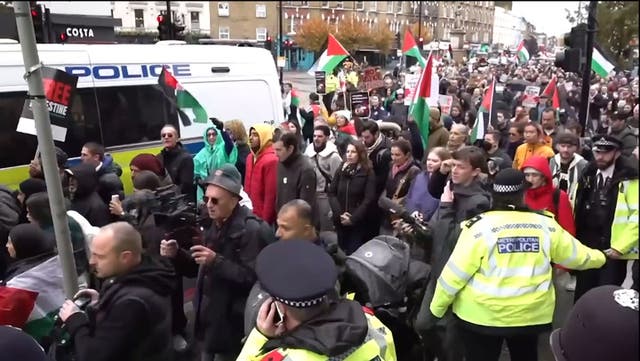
<point>605,143</point>
<point>297,273</point>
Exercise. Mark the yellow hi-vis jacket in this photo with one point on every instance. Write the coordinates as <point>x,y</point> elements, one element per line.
<point>624,229</point>
<point>499,274</point>
<point>378,345</point>
<point>331,83</point>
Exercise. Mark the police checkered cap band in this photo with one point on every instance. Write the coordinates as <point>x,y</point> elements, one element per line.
<point>301,304</point>
<point>507,188</point>
<point>605,143</point>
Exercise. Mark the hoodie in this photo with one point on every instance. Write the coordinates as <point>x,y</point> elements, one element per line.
<point>260,180</point>
<point>85,198</point>
<point>541,198</point>
<point>137,305</point>
<point>109,182</point>
<point>212,157</point>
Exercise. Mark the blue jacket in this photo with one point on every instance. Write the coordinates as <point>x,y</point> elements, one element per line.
<point>419,199</point>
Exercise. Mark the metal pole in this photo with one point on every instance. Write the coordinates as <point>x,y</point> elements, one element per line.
<point>280,38</point>
<point>586,75</point>
<point>170,22</point>
<point>420,20</point>
<point>33,76</point>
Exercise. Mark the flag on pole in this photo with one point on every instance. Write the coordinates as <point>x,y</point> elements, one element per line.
<point>522,53</point>
<point>410,48</point>
<point>484,114</point>
<point>184,100</point>
<point>31,299</point>
<point>551,91</point>
<point>599,64</point>
<point>330,58</point>
<point>419,108</point>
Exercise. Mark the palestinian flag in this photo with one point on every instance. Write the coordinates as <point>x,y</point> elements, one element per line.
<point>31,300</point>
<point>522,53</point>
<point>410,48</point>
<point>599,64</point>
<point>484,114</point>
<point>551,91</point>
<point>330,58</point>
<point>419,108</point>
<point>295,99</point>
<point>184,101</point>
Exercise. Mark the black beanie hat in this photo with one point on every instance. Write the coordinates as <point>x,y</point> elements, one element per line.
<point>32,186</point>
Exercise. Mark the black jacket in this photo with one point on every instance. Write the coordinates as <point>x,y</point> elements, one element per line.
<point>9,217</point>
<point>223,286</point>
<point>132,321</point>
<point>381,159</point>
<point>85,199</point>
<point>241,162</point>
<point>352,193</point>
<point>179,163</point>
<point>296,180</point>
<point>109,182</point>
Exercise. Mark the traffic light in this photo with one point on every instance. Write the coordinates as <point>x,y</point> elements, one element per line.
<point>178,31</point>
<point>573,58</point>
<point>287,43</point>
<point>163,28</point>
<point>268,44</point>
<point>420,43</point>
<point>37,16</point>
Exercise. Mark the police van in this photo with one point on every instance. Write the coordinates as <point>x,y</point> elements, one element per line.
<point>119,103</point>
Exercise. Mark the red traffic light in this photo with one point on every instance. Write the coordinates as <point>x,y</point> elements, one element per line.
<point>268,38</point>
<point>34,13</point>
<point>421,39</point>
<point>160,18</point>
<point>62,38</point>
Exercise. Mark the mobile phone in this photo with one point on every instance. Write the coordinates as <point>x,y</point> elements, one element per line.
<point>115,197</point>
<point>279,316</point>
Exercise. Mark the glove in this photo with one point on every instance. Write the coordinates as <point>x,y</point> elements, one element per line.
<point>218,124</point>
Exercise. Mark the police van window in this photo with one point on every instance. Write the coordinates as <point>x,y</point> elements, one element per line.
<point>133,114</point>
<point>18,148</point>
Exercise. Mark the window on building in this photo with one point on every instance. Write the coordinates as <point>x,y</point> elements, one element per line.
<point>389,7</point>
<point>359,5</point>
<point>373,6</point>
<point>195,20</point>
<point>324,4</point>
<point>398,7</point>
<point>339,4</point>
<point>304,4</point>
<point>223,32</point>
<point>261,10</point>
<point>138,14</point>
<point>223,9</point>
<point>261,34</point>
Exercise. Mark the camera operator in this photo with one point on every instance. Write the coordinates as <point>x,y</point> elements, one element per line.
<point>224,265</point>
<point>131,316</point>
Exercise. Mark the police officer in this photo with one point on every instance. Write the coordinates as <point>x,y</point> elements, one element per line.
<point>498,278</point>
<point>607,212</point>
<point>300,322</point>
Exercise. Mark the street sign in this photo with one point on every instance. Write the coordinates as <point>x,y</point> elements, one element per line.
<point>281,61</point>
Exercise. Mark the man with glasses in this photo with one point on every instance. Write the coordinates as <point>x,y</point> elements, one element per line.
<point>223,265</point>
<point>607,213</point>
<point>177,161</point>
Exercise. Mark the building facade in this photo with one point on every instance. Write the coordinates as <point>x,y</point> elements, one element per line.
<point>142,16</point>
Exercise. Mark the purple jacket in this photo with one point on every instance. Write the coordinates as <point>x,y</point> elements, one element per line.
<point>419,199</point>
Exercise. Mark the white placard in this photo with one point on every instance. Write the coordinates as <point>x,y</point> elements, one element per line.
<point>28,126</point>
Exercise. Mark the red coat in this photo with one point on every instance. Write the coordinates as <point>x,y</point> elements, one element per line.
<point>260,183</point>
<point>541,198</point>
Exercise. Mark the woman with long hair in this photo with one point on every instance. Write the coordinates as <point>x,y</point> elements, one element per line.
<point>351,194</point>
<point>420,202</point>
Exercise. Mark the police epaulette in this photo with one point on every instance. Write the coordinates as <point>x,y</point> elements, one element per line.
<point>472,221</point>
<point>544,213</point>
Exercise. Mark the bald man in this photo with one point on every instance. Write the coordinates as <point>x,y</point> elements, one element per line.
<point>133,309</point>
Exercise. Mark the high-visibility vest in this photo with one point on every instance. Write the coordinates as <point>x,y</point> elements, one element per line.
<point>624,229</point>
<point>499,274</point>
<point>378,345</point>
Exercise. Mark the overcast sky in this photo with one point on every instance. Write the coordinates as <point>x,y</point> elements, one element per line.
<point>548,17</point>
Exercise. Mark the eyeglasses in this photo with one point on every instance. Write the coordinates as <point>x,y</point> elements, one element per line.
<point>213,200</point>
<point>213,134</point>
<point>166,135</point>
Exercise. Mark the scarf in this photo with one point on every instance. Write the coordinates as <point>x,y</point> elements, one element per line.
<point>350,169</point>
<point>375,145</point>
<point>400,168</point>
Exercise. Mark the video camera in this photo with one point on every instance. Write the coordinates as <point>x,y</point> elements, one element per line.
<point>395,209</point>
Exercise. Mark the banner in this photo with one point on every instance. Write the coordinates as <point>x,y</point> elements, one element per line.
<point>59,90</point>
<point>445,101</point>
<point>359,102</point>
<point>531,98</point>
<point>371,79</point>
<point>320,82</point>
<point>410,82</point>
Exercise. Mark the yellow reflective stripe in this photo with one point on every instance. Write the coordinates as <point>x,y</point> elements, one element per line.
<point>504,292</point>
<point>368,351</point>
<point>626,219</point>
<point>447,287</point>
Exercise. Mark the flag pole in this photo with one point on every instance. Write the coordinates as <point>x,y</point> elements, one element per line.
<point>33,75</point>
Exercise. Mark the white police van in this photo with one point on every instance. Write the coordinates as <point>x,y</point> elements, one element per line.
<point>119,103</point>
